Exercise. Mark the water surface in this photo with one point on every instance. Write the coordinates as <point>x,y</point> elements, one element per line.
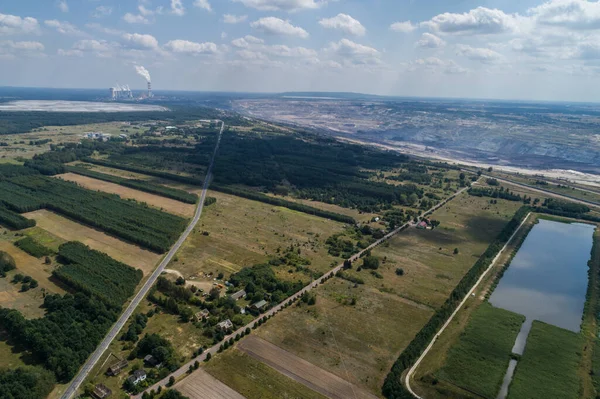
<point>547,279</point>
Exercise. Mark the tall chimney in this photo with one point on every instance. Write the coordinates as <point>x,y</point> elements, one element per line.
<point>149,89</point>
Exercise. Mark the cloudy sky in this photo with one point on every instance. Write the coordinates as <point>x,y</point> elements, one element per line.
<point>525,49</point>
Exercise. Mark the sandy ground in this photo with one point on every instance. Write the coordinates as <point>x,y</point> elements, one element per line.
<point>166,204</point>
<point>72,231</point>
<point>76,106</point>
<point>201,385</point>
<point>205,285</point>
<point>420,150</point>
<point>300,370</point>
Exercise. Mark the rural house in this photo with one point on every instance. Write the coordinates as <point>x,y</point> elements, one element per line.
<point>239,295</point>
<point>225,325</point>
<point>201,315</point>
<point>260,305</point>
<point>150,361</point>
<point>101,391</point>
<point>116,368</point>
<point>137,377</point>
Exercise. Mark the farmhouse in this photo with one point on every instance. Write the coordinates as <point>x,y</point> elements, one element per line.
<point>150,361</point>
<point>239,295</point>
<point>201,315</point>
<point>101,391</point>
<point>137,377</point>
<point>225,325</point>
<point>116,368</point>
<point>260,305</point>
<point>422,225</point>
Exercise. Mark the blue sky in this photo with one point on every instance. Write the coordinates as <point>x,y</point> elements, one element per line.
<point>547,50</point>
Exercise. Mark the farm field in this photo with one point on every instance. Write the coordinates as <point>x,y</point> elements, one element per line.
<point>112,171</point>
<point>300,370</point>
<point>244,232</point>
<point>431,269</point>
<point>252,378</point>
<point>478,361</point>
<point>28,302</point>
<point>202,385</point>
<point>162,203</point>
<point>69,230</point>
<point>549,366</point>
<point>358,343</point>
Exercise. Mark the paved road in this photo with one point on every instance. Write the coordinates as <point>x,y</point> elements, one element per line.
<point>183,370</point>
<point>412,370</point>
<point>95,357</point>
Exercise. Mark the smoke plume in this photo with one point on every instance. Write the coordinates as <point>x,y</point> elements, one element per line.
<point>143,72</point>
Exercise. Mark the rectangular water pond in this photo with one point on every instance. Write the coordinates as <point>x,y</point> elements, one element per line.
<point>547,279</point>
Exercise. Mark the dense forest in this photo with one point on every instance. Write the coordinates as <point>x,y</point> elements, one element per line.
<point>64,338</point>
<point>129,220</point>
<point>24,122</point>
<point>26,383</point>
<point>96,273</point>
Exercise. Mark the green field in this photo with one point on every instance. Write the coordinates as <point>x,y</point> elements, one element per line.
<point>255,380</point>
<point>478,361</point>
<point>549,366</point>
<point>431,269</point>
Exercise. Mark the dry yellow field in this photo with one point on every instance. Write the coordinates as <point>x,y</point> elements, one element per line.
<point>244,232</point>
<point>162,203</point>
<point>28,302</point>
<point>72,231</point>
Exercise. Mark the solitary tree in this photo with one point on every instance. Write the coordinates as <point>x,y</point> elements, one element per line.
<point>455,251</point>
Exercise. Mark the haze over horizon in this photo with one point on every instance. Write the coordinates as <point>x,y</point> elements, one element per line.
<point>491,49</point>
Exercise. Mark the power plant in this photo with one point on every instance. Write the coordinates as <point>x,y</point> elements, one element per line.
<point>120,92</point>
<point>124,92</point>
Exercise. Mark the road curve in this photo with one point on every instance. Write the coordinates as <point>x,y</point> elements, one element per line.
<point>183,370</point>
<point>95,357</point>
<point>412,370</point>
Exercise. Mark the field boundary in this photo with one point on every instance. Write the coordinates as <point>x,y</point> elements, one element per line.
<point>414,367</point>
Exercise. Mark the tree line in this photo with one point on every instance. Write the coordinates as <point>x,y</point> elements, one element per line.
<point>163,191</point>
<point>96,273</point>
<point>392,387</point>
<point>137,223</point>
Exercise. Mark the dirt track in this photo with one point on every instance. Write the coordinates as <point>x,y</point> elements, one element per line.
<point>300,370</point>
<point>202,385</point>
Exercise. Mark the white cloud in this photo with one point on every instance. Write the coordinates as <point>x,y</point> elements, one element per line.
<point>135,19</point>
<point>283,5</point>
<point>430,41</point>
<point>177,8</point>
<point>479,21</point>
<point>63,27</point>
<point>140,42</point>
<point>15,25</point>
<point>187,47</point>
<point>484,55</point>
<point>234,19</point>
<point>62,5</point>
<point>345,23</point>
<point>285,51</point>
<point>403,27</point>
<point>355,53</point>
<point>102,11</point>
<point>11,50</point>
<point>277,26</point>
<point>246,41</point>
<point>204,4</point>
<point>572,14</point>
